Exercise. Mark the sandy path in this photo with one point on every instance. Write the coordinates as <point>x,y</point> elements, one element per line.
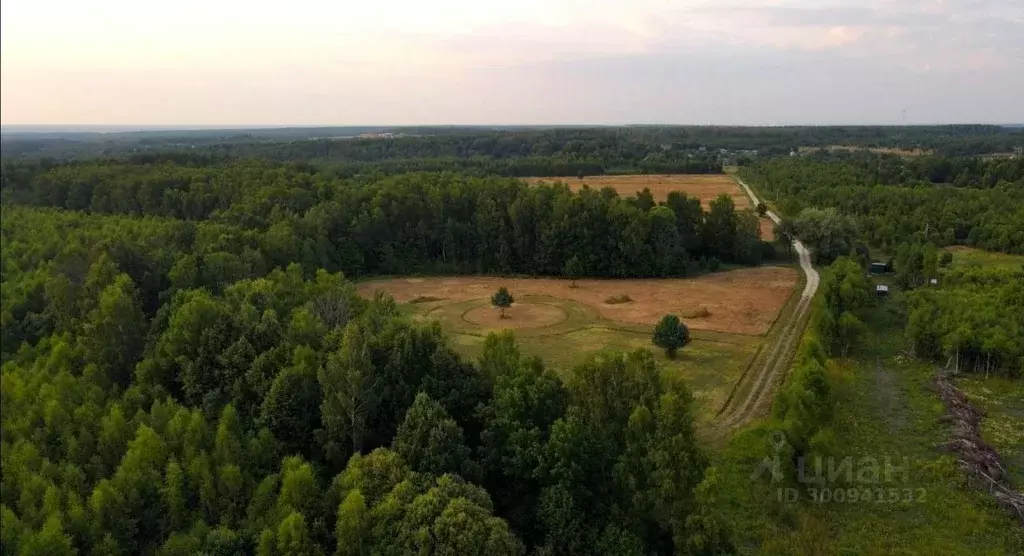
<point>764,378</point>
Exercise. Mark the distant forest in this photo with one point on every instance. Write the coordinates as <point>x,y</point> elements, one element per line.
<point>609,149</point>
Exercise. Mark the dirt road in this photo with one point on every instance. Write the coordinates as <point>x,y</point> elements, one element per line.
<point>754,392</point>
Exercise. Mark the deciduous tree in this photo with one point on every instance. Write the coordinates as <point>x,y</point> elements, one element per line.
<point>502,299</point>
<point>573,269</point>
<point>349,384</point>
<point>430,441</point>
<point>670,334</point>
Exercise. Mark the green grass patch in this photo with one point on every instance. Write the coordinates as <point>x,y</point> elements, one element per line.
<point>885,409</point>
<point>711,364</point>
<point>1002,400</point>
<point>969,256</point>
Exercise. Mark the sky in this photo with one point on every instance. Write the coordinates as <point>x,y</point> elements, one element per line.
<point>415,62</point>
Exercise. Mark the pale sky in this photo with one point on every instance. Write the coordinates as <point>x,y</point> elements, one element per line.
<point>394,62</point>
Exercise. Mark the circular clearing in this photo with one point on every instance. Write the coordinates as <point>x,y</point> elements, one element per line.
<point>519,315</point>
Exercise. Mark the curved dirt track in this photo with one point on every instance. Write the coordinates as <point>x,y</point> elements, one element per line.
<point>763,378</point>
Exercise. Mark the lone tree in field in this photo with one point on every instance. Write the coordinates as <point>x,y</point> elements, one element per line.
<point>573,270</point>
<point>502,300</point>
<point>671,335</point>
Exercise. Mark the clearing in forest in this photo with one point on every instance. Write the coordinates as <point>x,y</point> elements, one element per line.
<point>728,314</point>
<point>876,150</point>
<point>705,187</point>
<point>743,301</point>
<point>964,256</point>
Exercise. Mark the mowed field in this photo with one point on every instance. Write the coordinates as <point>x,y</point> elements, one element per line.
<point>728,314</point>
<point>705,187</point>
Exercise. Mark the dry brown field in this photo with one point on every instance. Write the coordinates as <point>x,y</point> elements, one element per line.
<point>705,187</point>
<point>744,301</point>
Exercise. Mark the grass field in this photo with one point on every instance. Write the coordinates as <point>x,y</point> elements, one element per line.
<point>728,314</point>
<point>969,256</point>
<point>885,408</point>
<point>705,187</point>
<point>744,301</point>
<point>1002,400</point>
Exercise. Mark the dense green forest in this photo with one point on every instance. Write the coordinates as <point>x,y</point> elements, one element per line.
<point>442,222</point>
<point>285,415</point>
<point>958,171</point>
<point>894,200</point>
<point>906,207</point>
<point>973,320</point>
<point>187,368</point>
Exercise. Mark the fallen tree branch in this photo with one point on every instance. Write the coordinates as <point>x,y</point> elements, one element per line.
<point>975,457</point>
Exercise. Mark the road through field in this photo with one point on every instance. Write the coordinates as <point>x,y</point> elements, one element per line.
<point>751,402</point>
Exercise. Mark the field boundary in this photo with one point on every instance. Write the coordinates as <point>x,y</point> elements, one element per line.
<point>785,316</point>
<point>740,380</point>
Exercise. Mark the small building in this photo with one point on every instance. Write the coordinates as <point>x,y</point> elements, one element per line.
<point>879,268</point>
<point>881,290</point>
<point>933,281</point>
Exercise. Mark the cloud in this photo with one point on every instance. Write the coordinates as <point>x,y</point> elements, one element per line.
<point>533,61</point>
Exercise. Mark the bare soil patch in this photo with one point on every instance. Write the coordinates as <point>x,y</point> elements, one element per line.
<point>519,315</point>
<point>705,187</point>
<point>744,301</point>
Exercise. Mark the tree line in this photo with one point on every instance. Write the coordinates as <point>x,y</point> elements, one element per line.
<point>618,146</point>
<point>915,211</point>
<point>802,409</point>
<point>958,171</point>
<point>420,222</point>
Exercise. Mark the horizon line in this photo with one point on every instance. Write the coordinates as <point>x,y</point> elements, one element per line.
<point>101,128</point>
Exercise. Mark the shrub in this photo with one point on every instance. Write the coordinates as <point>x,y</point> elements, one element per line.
<point>616,299</point>
<point>425,299</point>
<point>700,313</point>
